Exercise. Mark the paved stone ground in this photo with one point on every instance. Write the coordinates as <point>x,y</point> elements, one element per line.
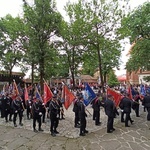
<point>136,137</point>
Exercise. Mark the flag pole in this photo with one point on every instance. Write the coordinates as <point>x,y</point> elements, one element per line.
<point>19,94</point>
<point>47,85</point>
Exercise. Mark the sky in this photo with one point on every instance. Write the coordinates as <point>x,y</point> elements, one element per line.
<point>14,7</point>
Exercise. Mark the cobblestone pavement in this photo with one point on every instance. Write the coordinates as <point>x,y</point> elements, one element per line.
<point>135,137</point>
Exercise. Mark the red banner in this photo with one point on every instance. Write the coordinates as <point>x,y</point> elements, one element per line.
<point>117,96</point>
<point>67,96</point>
<point>47,93</point>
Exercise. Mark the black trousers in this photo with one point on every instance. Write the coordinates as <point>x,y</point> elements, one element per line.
<point>54,122</point>
<point>127,118</point>
<point>37,118</point>
<point>93,114</point>
<point>76,120</point>
<point>122,116</point>
<point>110,123</point>
<point>29,115</point>
<point>82,124</point>
<point>20,113</point>
<point>7,113</point>
<point>43,116</point>
<point>137,110</point>
<point>97,117</point>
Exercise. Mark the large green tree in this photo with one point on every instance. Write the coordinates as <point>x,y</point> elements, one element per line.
<point>71,33</point>
<point>43,21</point>
<point>11,48</point>
<point>112,79</point>
<point>136,26</point>
<point>98,21</point>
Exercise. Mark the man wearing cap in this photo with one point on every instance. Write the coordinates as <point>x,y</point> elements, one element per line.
<point>17,107</point>
<point>126,107</point>
<point>109,110</point>
<point>82,116</point>
<point>96,103</point>
<point>54,115</point>
<point>29,103</point>
<point>76,111</point>
<point>37,114</point>
<point>6,103</point>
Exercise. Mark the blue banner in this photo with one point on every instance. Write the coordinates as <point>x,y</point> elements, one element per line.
<point>142,90</point>
<point>88,95</point>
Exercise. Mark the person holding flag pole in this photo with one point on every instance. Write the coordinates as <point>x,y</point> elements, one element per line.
<point>37,111</point>
<point>17,105</point>
<point>47,96</point>
<point>16,93</point>
<point>82,116</point>
<point>88,96</point>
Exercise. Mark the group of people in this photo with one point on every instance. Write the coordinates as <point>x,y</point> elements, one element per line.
<point>36,110</point>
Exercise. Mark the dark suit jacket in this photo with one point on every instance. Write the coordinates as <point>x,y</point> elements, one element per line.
<point>127,105</point>
<point>109,108</point>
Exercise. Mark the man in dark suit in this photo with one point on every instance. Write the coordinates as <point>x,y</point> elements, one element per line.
<point>76,111</point>
<point>17,106</point>
<point>96,110</point>
<point>110,112</point>
<point>82,116</point>
<point>37,114</point>
<point>126,106</point>
<point>146,104</point>
<point>54,115</point>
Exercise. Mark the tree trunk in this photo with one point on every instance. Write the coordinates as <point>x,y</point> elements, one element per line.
<point>42,75</point>
<point>100,70</point>
<point>10,76</point>
<point>32,74</point>
<point>73,80</point>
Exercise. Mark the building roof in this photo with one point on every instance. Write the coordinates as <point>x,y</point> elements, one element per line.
<point>122,78</point>
<point>88,78</point>
<point>13,73</point>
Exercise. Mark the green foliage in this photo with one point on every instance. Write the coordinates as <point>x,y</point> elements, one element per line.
<point>137,26</point>
<point>99,34</point>
<point>43,23</point>
<point>11,47</point>
<point>147,78</point>
<point>112,79</point>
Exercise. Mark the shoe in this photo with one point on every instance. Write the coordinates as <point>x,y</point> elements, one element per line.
<point>15,125</point>
<point>53,134</point>
<point>109,131</point>
<point>41,130</point>
<point>127,126</point>
<point>35,130</point>
<point>132,121</point>
<point>63,118</point>
<point>122,121</point>
<point>86,131</point>
<point>82,134</point>
<point>10,119</point>
<point>137,116</point>
<point>98,124</point>
<point>113,129</point>
<point>77,126</point>
<point>56,132</point>
<point>21,124</point>
<point>6,121</point>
